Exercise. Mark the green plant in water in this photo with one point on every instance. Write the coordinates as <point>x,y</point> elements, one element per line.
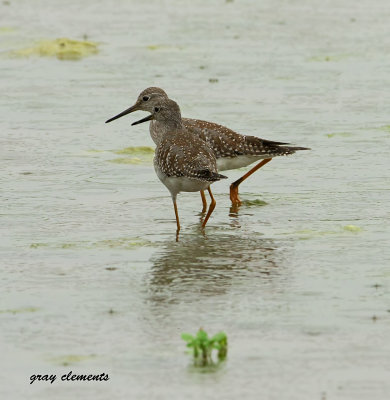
<point>202,347</point>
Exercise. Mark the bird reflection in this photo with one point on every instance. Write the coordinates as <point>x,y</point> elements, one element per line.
<point>210,265</point>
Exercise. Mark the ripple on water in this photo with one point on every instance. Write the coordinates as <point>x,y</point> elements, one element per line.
<point>124,243</point>
<point>211,265</point>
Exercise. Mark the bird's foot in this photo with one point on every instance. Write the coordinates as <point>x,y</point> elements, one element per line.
<point>234,195</point>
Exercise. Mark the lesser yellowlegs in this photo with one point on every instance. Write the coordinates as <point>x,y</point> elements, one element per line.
<point>183,162</point>
<point>231,149</point>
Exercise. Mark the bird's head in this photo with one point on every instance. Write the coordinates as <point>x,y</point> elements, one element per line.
<point>166,111</point>
<point>146,101</point>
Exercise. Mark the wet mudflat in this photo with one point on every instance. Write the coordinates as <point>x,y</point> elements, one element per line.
<point>92,279</point>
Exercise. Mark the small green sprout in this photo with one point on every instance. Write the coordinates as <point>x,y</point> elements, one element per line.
<point>202,346</point>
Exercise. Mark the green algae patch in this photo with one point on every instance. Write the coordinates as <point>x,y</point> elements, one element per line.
<point>37,245</point>
<point>156,47</point>
<point>68,245</point>
<point>133,160</point>
<point>339,134</point>
<point>123,243</point>
<point>6,29</point>
<point>19,310</point>
<point>135,155</point>
<point>254,203</point>
<point>94,151</point>
<point>71,359</point>
<point>137,150</point>
<point>306,234</point>
<point>63,49</point>
<point>385,128</point>
<point>352,228</point>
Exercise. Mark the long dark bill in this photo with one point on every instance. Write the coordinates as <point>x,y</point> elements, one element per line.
<point>128,111</point>
<point>148,118</point>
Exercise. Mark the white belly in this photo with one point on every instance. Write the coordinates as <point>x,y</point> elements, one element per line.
<point>181,184</point>
<point>226,163</point>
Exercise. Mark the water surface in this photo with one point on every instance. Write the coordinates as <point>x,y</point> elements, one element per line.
<point>92,279</point>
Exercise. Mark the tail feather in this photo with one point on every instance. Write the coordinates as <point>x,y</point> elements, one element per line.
<point>293,149</point>
<point>272,143</point>
<point>210,176</point>
<point>257,146</point>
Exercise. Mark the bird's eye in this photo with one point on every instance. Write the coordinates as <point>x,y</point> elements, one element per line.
<point>156,109</point>
<point>145,98</point>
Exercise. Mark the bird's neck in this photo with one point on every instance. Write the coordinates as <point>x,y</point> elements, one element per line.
<point>158,129</point>
<point>174,124</point>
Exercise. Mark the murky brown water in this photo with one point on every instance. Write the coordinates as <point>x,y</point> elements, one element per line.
<point>92,279</point>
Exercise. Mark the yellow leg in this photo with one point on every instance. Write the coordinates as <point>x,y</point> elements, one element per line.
<point>204,201</point>
<point>211,208</point>
<point>177,219</point>
<point>234,186</point>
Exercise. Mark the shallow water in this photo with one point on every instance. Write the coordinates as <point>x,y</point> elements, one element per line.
<point>92,279</point>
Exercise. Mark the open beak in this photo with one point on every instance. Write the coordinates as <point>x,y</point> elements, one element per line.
<point>128,111</point>
<point>148,118</point>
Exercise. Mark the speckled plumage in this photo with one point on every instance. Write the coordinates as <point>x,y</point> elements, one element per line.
<point>182,161</point>
<point>231,149</point>
<point>181,154</point>
<point>227,143</point>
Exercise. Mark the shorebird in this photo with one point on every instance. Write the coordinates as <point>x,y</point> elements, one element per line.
<point>231,149</point>
<point>183,162</point>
